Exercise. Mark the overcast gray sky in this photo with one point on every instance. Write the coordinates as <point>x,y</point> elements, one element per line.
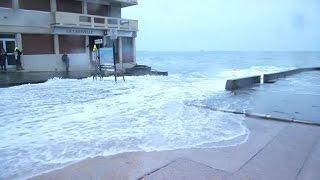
<point>185,25</point>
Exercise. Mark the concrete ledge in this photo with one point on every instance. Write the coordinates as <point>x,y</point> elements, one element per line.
<point>273,76</point>
<point>8,79</point>
<point>235,84</point>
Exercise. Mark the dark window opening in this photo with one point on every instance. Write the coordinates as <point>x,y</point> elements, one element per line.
<point>99,20</point>
<point>9,36</point>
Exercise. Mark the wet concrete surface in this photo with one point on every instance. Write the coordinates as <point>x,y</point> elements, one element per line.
<point>294,98</point>
<point>274,150</point>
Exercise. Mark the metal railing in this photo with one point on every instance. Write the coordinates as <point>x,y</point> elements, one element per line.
<point>65,19</point>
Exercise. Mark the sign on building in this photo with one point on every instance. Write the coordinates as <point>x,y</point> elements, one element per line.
<point>98,41</point>
<point>77,31</point>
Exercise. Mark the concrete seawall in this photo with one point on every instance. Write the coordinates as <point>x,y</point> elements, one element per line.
<point>234,84</point>
<point>273,76</point>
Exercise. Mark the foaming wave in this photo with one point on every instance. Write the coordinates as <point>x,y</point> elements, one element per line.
<point>63,121</point>
<point>252,71</point>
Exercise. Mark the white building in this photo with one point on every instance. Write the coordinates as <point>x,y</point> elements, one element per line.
<point>45,29</point>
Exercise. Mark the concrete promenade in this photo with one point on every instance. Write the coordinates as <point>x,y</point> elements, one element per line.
<point>274,150</point>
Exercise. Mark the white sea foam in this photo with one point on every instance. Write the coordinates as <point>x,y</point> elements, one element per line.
<point>45,126</point>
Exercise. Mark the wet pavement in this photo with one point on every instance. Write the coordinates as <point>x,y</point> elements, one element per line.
<point>274,150</point>
<point>293,98</point>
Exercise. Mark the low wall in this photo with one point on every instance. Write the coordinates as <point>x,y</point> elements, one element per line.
<point>273,76</point>
<point>52,62</point>
<point>18,78</point>
<point>234,84</point>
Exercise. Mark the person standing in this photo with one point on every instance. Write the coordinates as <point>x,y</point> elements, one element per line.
<point>3,57</point>
<point>17,54</point>
<point>66,61</point>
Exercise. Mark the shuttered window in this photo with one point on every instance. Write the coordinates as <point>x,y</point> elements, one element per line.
<point>33,44</point>
<point>38,5</point>
<point>98,9</point>
<point>72,44</point>
<point>6,3</point>
<point>69,6</point>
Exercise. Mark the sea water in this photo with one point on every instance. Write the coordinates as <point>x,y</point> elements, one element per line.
<point>49,125</point>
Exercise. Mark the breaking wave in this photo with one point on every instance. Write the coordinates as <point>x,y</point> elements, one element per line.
<point>45,126</point>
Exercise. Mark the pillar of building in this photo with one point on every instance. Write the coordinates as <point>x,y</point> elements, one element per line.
<point>15,4</point>
<point>56,44</point>
<point>134,50</point>
<point>104,41</point>
<point>84,7</point>
<point>53,5</point>
<point>87,45</point>
<point>120,51</point>
<point>19,41</point>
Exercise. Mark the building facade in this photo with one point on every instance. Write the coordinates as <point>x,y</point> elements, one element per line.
<point>45,29</point>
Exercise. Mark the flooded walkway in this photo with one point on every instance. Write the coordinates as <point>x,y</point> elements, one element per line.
<point>273,150</point>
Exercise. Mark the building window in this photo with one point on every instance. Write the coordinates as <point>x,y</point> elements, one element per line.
<point>98,9</point>
<point>38,5</point>
<point>6,3</point>
<point>127,49</point>
<point>8,36</point>
<point>71,44</point>
<point>33,44</point>
<point>69,6</point>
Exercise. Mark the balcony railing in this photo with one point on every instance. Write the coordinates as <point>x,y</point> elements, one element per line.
<point>65,19</point>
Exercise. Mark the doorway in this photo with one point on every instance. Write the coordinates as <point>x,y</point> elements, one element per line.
<point>107,44</point>
<point>9,45</point>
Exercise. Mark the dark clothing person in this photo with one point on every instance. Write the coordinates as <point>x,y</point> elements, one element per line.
<point>17,55</point>
<point>3,57</point>
<point>66,61</point>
